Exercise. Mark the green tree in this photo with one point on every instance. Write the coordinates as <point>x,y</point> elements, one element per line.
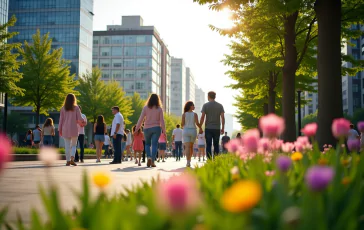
<point>9,65</point>
<point>97,97</point>
<point>46,76</point>
<point>171,121</point>
<point>16,123</point>
<point>137,104</point>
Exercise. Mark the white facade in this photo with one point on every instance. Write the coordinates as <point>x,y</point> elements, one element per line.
<point>200,100</point>
<point>178,86</point>
<point>190,85</point>
<point>229,121</point>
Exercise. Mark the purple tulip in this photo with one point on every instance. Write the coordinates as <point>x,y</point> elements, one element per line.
<point>318,177</point>
<point>361,126</point>
<point>284,163</point>
<point>354,145</point>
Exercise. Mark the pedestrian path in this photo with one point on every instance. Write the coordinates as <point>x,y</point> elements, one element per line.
<point>19,182</point>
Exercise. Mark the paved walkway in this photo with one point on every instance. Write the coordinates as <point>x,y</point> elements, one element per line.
<point>19,183</point>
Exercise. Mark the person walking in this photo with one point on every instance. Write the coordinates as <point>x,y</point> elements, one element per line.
<point>69,118</point>
<point>224,140</point>
<point>29,138</point>
<point>215,119</point>
<point>81,137</point>
<point>189,124</point>
<point>99,129</point>
<point>177,139</point>
<point>107,145</point>
<point>117,131</point>
<point>129,141</point>
<point>48,132</point>
<point>152,116</point>
<point>162,146</point>
<point>201,142</point>
<point>124,139</point>
<point>37,136</point>
<point>138,144</point>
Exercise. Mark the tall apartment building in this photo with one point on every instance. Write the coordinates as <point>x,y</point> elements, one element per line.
<point>178,86</point>
<point>190,85</point>
<point>4,6</point>
<point>200,100</point>
<point>135,56</point>
<point>68,22</point>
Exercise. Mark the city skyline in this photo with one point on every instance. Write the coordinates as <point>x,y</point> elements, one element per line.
<point>202,53</point>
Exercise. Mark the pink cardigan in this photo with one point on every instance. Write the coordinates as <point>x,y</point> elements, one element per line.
<point>153,118</point>
<point>68,122</point>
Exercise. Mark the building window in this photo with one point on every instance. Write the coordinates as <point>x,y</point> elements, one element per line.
<point>105,51</point>
<point>129,63</point>
<point>355,88</point>
<point>128,85</point>
<point>116,51</point>
<point>142,62</point>
<point>105,75</point>
<point>142,73</point>
<point>144,51</point>
<point>96,41</point>
<point>105,40</point>
<point>130,39</point>
<point>116,74</point>
<point>105,63</point>
<point>140,85</point>
<point>129,74</point>
<point>129,51</point>
<point>344,102</point>
<point>117,39</point>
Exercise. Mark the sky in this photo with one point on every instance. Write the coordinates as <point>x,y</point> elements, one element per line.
<point>184,27</point>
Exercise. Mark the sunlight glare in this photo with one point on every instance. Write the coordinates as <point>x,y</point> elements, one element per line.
<point>224,19</point>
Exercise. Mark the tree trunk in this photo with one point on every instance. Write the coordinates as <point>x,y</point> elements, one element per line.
<point>289,74</point>
<point>37,116</point>
<point>272,93</point>
<point>329,68</point>
<point>265,109</point>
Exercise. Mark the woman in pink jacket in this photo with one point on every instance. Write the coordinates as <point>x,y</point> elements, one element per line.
<point>70,117</point>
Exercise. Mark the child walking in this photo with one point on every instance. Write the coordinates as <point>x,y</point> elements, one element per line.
<point>201,146</point>
<point>162,146</point>
<point>138,146</point>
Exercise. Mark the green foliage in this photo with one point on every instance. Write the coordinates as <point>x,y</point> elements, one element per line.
<point>46,76</point>
<point>36,151</point>
<point>16,123</point>
<point>171,121</point>
<point>137,104</point>
<point>97,97</point>
<point>9,65</point>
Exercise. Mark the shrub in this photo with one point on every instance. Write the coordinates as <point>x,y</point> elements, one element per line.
<point>35,151</point>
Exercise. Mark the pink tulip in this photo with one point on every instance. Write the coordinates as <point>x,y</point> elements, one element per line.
<point>271,125</point>
<point>340,127</point>
<point>288,147</point>
<point>361,126</point>
<point>298,146</point>
<point>310,129</point>
<point>263,145</point>
<point>270,173</point>
<point>276,144</point>
<point>179,194</point>
<point>232,146</point>
<point>251,140</point>
<point>5,151</point>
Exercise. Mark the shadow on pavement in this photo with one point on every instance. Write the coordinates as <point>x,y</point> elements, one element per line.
<point>131,169</point>
<point>174,170</point>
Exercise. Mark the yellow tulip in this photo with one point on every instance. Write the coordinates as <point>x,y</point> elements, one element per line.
<point>297,156</point>
<point>101,179</point>
<point>242,196</point>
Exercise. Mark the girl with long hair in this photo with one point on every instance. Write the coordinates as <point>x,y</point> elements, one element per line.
<point>152,116</point>
<point>68,130</point>
<point>189,123</point>
<point>138,146</point>
<point>99,129</point>
<point>162,146</point>
<point>48,132</point>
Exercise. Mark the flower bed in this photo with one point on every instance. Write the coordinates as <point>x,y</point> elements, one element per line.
<point>263,184</point>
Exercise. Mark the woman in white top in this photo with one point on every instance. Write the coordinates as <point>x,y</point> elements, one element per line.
<point>48,132</point>
<point>189,123</point>
<point>201,145</point>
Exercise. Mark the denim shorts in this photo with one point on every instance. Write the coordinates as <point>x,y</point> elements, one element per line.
<point>189,135</point>
<point>162,146</point>
<point>99,137</point>
<point>201,146</point>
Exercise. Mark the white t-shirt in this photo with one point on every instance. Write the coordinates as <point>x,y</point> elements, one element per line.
<point>353,134</point>
<point>177,134</point>
<point>118,119</point>
<point>201,138</point>
<point>128,139</point>
<point>81,130</point>
<point>107,140</point>
<point>36,135</point>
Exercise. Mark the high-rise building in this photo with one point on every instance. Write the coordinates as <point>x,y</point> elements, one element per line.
<point>178,86</point>
<point>68,22</point>
<point>190,85</point>
<point>135,56</point>
<point>4,5</point>
<point>200,100</point>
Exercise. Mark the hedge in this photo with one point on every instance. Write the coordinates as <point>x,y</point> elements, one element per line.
<point>36,151</point>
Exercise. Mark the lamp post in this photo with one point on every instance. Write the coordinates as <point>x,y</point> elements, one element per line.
<point>299,111</point>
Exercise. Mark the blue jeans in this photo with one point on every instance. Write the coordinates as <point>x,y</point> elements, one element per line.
<point>178,145</point>
<point>212,135</point>
<point>47,140</point>
<point>123,147</point>
<point>117,148</point>
<point>151,137</point>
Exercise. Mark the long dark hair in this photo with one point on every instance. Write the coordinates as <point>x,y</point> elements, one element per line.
<point>139,131</point>
<point>70,102</point>
<point>100,120</point>
<point>29,132</point>
<point>188,106</point>
<point>154,100</point>
<point>48,122</point>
